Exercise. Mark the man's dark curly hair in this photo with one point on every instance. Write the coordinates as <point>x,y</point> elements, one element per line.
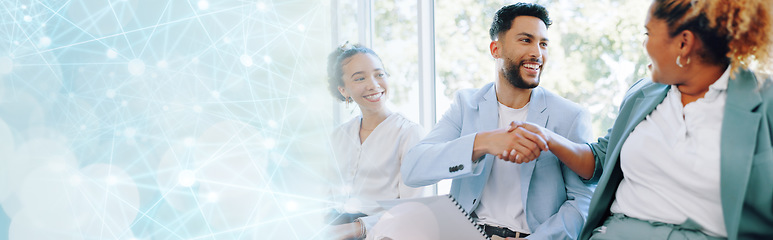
<point>503,19</point>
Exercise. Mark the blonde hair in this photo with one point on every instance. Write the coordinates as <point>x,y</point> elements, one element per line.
<point>735,32</point>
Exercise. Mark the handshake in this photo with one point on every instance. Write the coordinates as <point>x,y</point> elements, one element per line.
<point>521,142</point>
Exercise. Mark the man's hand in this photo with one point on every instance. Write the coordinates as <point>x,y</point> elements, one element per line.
<point>530,140</point>
<point>515,144</point>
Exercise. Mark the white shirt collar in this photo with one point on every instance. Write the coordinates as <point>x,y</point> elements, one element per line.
<point>719,86</point>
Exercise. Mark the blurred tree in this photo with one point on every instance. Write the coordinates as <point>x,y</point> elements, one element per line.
<point>595,52</point>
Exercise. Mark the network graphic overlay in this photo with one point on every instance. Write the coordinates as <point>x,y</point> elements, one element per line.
<point>140,119</point>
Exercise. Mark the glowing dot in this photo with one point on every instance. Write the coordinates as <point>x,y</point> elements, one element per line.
<point>227,40</point>
<point>269,143</point>
<point>43,24</point>
<point>112,54</point>
<point>215,94</point>
<point>267,59</point>
<point>291,206</point>
<point>129,132</point>
<point>212,197</point>
<point>83,127</point>
<point>44,42</point>
<point>162,64</point>
<point>166,108</point>
<point>197,109</point>
<point>136,67</point>
<point>188,141</point>
<point>71,95</point>
<point>81,69</point>
<point>272,124</point>
<point>301,27</point>
<point>195,60</point>
<point>6,65</point>
<point>112,180</point>
<point>203,5</point>
<point>261,6</point>
<point>27,18</point>
<point>246,60</point>
<point>110,93</point>
<point>23,6</point>
<point>124,103</point>
<point>186,178</point>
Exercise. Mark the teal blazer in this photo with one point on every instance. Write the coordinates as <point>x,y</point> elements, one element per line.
<point>746,175</point>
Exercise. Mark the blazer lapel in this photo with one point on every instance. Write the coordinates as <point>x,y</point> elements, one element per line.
<point>645,102</point>
<point>488,116</point>
<point>487,110</point>
<point>538,114</point>
<point>739,132</point>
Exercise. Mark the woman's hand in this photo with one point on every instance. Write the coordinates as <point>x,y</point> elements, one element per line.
<point>529,141</point>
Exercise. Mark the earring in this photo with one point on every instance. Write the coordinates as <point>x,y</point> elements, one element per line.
<point>678,63</point>
<point>348,100</point>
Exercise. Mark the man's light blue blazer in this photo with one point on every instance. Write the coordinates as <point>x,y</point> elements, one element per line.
<point>556,199</point>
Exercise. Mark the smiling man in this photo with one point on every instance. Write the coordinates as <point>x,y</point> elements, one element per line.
<point>541,199</point>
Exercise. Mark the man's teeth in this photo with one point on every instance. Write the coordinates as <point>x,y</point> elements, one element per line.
<point>532,66</point>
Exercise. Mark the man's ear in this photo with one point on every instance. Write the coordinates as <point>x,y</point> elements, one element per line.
<point>494,48</point>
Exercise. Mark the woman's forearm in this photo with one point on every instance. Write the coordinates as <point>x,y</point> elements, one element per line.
<point>576,156</point>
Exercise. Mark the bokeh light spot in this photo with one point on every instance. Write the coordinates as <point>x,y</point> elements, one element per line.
<point>186,178</point>
<point>111,53</point>
<point>203,5</point>
<point>136,67</point>
<point>246,60</point>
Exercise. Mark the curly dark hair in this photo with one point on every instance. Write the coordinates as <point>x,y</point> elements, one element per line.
<point>335,62</point>
<point>733,32</point>
<point>503,19</point>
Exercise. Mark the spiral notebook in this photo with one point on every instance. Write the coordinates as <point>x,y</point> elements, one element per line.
<point>437,217</point>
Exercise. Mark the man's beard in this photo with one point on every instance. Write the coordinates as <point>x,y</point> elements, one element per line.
<point>513,75</point>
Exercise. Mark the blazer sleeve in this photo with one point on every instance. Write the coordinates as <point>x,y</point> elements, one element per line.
<point>413,135</point>
<point>445,153</point>
<point>570,218</point>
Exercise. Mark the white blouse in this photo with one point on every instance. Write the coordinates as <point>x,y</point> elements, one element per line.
<point>370,171</point>
<point>671,162</point>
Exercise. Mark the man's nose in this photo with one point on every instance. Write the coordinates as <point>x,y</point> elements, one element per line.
<point>535,51</point>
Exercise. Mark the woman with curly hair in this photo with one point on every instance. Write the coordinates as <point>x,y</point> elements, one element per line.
<point>690,155</point>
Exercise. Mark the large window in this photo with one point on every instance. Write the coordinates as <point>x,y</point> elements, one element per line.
<point>593,58</point>
<point>395,36</point>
